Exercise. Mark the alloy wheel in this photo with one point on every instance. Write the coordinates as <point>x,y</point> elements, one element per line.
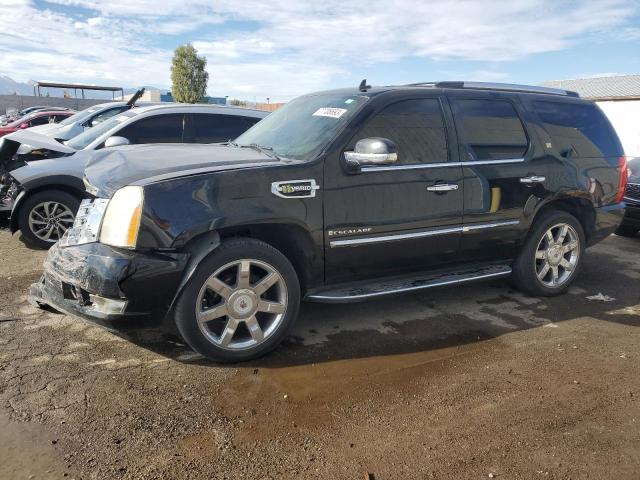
<point>49,220</point>
<point>557,255</point>
<point>241,304</point>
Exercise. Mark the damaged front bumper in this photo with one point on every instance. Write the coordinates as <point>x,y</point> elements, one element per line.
<point>98,282</point>
<point>9,190</point>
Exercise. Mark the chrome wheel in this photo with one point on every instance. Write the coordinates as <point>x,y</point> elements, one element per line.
<point>242,304</point>
<point>557,255</point>
<point>49,220</point>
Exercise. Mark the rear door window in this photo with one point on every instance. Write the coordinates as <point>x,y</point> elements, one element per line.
<point>581,127</point>
<point>415,126</point>
<point>491,130</point>
<point>210,128</point>
<point>157,129</point>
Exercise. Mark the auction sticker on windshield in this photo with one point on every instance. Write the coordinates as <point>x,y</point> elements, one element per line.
<point>329,112</point>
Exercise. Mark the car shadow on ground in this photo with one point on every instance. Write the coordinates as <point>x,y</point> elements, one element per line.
<point>435,319</point>
<point>6,226</point>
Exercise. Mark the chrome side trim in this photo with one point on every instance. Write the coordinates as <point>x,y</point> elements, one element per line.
<point>468,228</point>
<point>354,242</point>
<point>475,163</point>
<point>392,238</point>
<point>344,299</point>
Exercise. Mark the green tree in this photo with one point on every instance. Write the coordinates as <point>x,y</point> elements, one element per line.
<point>188,75</point>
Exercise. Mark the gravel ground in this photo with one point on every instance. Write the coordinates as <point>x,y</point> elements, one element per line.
<point>472,382</point>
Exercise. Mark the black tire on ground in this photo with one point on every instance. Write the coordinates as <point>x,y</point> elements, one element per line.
<point>71,202</point>
<point>525,276</point>
<point>228,252</point>
<point>627,231</point>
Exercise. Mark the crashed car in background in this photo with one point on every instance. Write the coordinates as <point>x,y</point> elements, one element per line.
<point>43,188</point>
<point>16,115</point>
<point>88,118</point>
<point>40,117</point>
<point>631,223</point>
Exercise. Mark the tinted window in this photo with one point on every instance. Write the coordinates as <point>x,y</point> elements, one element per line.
<point>582,127</point>
<point>491,130</point>
<point>157,129</point>
<point>415,126</point>
<point>39,121</point>
<point>209,128</point>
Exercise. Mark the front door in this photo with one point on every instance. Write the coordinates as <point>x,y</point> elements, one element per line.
<point>393,219</point>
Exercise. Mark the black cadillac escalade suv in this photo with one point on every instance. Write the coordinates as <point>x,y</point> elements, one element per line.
<point>337,197</point>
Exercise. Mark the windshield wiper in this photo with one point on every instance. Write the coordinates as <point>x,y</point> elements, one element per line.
<point>260,148</point>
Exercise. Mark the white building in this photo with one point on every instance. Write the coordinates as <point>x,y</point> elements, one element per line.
<point>619,99</point>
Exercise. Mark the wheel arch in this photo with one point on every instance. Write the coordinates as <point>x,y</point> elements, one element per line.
<point>580,207</point>
<point>293,241</point>
<point>71,185</point>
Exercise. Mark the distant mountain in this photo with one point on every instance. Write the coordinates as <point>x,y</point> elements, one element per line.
<point>8,86</point>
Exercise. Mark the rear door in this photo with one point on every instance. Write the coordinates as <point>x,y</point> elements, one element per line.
<point>502,170</point>
<point>394,219</point>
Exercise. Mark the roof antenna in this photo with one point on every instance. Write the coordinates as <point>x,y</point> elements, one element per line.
<point>363,86</point>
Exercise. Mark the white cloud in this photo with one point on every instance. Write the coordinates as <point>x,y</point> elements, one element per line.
<point>291,47</point>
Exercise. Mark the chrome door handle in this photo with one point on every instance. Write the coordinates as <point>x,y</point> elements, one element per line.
<point>443,187</point>
<point>533,179</point>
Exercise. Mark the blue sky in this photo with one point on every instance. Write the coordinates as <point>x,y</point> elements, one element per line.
<point>283,48</point>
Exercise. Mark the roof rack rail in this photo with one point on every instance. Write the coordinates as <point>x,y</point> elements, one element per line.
<point>512,87</point>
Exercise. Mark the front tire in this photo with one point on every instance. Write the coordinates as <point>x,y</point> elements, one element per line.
<point>45,216</point>
<point>551,256</point>
<point>240,302</point>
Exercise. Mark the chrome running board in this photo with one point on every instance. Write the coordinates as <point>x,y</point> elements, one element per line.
<point>360,291</point>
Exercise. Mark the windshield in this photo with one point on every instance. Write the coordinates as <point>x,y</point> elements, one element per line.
<point>78,117</point>
<point>304,126</point>
<point>88,136</point>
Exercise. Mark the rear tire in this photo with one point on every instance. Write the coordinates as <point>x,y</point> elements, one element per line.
<point>240,302</point>
<point>627,231</point>
<point>551,257</point>
<point>45,216</point>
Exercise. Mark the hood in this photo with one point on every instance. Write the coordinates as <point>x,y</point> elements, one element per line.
<point>10,145</point>
<point>39,140</point>
<point>32,174</point>
<point>58,131</point>
<point>45,129</point>
<point>113,168</point>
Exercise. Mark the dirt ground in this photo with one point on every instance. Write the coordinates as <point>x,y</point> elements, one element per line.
<point>465,383</point>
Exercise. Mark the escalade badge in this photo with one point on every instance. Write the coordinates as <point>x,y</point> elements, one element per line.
<point>295,188</point>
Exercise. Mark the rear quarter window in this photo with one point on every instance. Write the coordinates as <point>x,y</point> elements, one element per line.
<point>581,127</point>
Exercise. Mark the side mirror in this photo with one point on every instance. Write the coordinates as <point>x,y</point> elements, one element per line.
<point>115,141</point>
<point>23,126</point>
<point>371,151</point>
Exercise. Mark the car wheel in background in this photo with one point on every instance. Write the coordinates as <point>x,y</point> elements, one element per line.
<point>551,256</point>
<point>45,216</point>
<point>240,302</point>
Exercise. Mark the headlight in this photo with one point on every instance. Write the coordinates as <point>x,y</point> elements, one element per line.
<point>122,219</point>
